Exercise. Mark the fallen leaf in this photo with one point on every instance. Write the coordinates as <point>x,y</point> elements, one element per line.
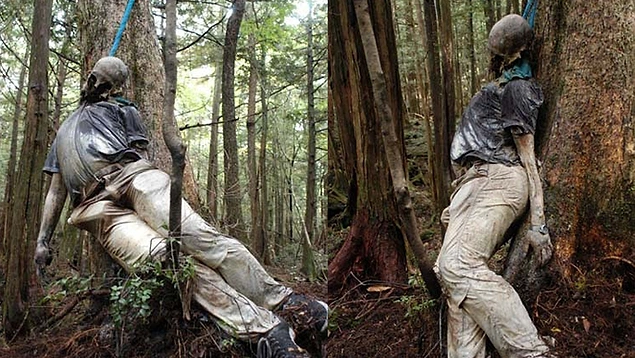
<point>378,288</point>
<point>586,324</point>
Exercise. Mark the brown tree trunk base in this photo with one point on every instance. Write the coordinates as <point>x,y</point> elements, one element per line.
<point>373,249</point>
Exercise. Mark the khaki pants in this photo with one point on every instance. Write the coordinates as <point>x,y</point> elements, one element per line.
<point>130,218</point>
<point>487,200</point>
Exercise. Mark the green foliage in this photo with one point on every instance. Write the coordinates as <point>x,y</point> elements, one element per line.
<point>417,303</point>
<point>130,299</point>
<point>61,288</point>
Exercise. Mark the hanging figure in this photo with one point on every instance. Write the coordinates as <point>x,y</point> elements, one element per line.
<point>495,144</point>
<point>99,158</point>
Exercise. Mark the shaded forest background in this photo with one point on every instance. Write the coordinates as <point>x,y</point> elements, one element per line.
<point>434,57</point>
<point>254,123</point>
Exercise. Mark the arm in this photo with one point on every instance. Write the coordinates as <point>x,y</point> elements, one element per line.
<point>537,236</point>
<point>53,206</point>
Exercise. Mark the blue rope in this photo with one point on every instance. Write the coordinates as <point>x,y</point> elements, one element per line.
<point>530,12</point>
<point>122,26</point>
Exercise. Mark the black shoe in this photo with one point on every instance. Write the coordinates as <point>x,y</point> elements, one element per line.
<point>279,343</point>
<point>306,315</point>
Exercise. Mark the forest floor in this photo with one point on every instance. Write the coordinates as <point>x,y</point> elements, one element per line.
<point>592,315</point>
<point>79,326</point>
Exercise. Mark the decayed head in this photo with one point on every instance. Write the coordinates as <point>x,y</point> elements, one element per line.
<point>509,37</point>
<point>108,77</point>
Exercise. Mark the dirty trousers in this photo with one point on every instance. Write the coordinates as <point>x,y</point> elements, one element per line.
<point>130,217</point>
<point>487,200</point>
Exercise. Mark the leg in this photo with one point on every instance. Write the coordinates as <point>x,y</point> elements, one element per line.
<point>238,315</point>
<point>465,338</point>
<point>149,195</point>
<point>130,241</point>
<point>489,199</point>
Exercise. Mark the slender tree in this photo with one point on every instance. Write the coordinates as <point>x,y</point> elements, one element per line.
<point>170,133</point>
<point>212,166</point>
<point>13,157</point>
<point>441,168</point>
<point>255,234</point>
<point>24,225</point>
<point>269,253</point>
<point>308,264</point>
<point>233,218</point>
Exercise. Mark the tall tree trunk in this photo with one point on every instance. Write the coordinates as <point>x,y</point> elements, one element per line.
<point>308,264</point>
<point>587,139</point>
<point>446,39</point>
<point>212,167</point>
<point>279,239</point>
<point>374,247</point>
<point>470,24</point>
<point>59,91</point>
<point>255,234</point>
<point>269,251</point>
<point>439,110</point>
<point>289,197</point>
<point>233,218</point>
<point>171,134</point>
<point>395,157</point>
<point>490,14</point>
<point>24,225</point>
<point>13,158</point>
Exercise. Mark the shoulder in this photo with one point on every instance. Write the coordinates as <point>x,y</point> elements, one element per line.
<point>524,89</point>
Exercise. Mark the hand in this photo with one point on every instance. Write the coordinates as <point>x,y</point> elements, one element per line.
<point>541,245</point>
<point>42,257</point>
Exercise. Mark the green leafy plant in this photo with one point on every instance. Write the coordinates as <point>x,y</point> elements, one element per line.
<point>415,304</point>
<point>63,287</point>
<point>130,300</point>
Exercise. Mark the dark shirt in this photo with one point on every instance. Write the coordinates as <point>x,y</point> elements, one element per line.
<point>93,137</point>
<point>493,115</point>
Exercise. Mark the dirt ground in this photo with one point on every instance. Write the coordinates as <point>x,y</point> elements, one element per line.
<point>593,318</point>
<point>85,330</point>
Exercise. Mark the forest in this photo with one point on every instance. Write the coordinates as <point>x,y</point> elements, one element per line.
<point>250,109</point>
<point>318,134</point>
<point>414,78</point>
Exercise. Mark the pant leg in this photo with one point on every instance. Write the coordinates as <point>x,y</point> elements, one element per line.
<point>239,315</point>
<point>465,338</point>
<point>488,200</point>
<point>149,195</point>
<point>130,241</point>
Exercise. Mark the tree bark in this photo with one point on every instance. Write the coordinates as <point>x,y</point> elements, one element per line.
<point>395,157</point>
<point>13,158</point>
<point>439,109</point>
<point>233,218</point>
<point>470,24</point>
<point>171,135</point>
<point>212,167</point>
<point>374,248</point>
<point>586,66</point>
<point>24,225</point>
<point>308,264</point>
<point>255,234</point>
<point>270,252</point>
<point>490,14</point>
